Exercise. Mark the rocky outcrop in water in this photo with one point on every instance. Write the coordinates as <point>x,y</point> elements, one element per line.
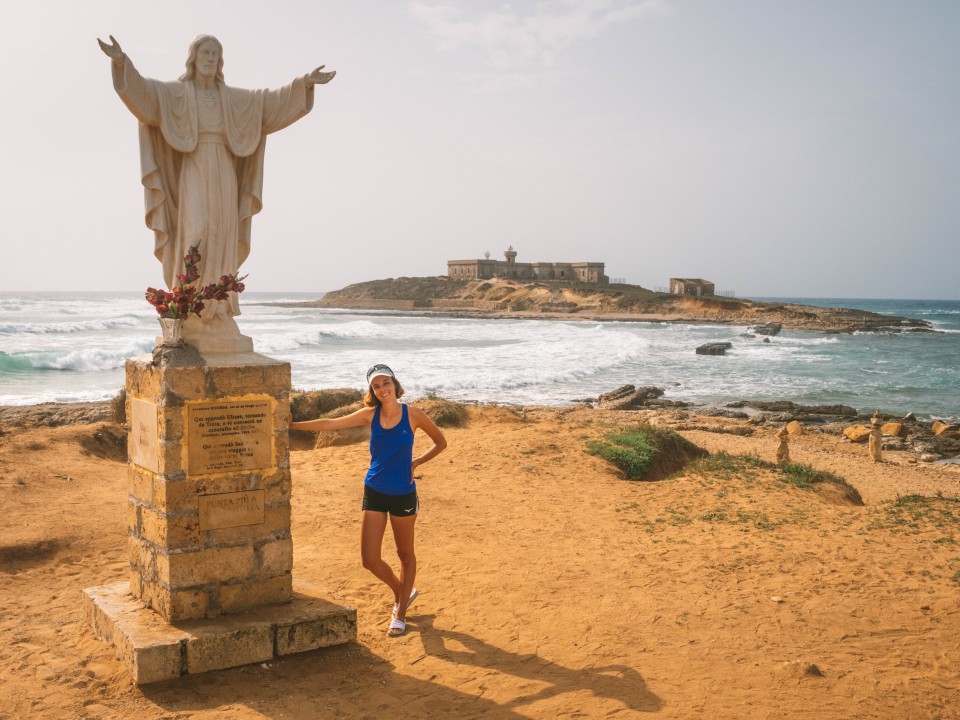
<point>628,397</point>
<point>501,297</point>
<point>772,328</point>
<point>714,348</point>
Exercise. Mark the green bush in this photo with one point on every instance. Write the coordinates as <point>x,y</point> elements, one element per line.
<point>645,452</point>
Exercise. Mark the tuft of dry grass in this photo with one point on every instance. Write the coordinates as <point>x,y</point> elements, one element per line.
<point>445,413</point>
<point>309,405</point>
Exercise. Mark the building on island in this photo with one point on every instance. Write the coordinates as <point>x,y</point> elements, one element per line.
<point>585,272</point>
<point>691,286</point>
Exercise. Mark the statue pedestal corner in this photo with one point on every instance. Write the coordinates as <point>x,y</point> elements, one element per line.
<point>154,650</point>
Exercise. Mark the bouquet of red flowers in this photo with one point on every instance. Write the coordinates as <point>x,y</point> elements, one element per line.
<point>186,298</point>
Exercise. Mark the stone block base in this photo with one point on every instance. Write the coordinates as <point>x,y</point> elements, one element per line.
<point>155,650</point>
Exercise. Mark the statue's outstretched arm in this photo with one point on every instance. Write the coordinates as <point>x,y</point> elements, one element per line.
<point>317,77</point>
<point>113,50</point>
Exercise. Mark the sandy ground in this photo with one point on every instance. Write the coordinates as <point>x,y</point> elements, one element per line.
<point>550,587</point>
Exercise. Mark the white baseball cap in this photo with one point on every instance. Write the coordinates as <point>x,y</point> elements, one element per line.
<point>377,371</point>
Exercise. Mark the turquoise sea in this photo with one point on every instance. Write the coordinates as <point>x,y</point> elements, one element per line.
<point>68,347</point>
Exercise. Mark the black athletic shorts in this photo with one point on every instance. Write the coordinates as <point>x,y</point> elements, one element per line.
<point>396,505</point>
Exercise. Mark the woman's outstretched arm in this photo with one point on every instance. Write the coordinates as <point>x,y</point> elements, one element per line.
<point>355,419</point>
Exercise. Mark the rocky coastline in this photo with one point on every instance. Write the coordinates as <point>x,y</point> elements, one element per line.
<point>925,441</point>
<point>931,441</point>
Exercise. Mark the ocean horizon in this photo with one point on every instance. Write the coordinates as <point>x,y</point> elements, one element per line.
<point>71,347</point>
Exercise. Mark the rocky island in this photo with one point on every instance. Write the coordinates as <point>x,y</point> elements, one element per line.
<point>502,297</point>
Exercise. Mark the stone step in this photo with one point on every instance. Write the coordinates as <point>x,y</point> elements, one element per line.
<point>154,650</point>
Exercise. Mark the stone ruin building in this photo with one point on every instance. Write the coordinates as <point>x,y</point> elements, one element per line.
<point>584,272</point>
<point>691,286</point>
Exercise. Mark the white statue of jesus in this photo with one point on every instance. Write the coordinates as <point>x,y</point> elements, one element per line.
<point>201,163</point>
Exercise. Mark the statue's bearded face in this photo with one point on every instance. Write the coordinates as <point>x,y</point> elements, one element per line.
<point>208,58</point>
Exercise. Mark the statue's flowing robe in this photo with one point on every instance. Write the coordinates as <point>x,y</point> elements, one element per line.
<point>201,165</point>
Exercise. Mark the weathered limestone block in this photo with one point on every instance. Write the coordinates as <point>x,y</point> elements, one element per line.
<point>153,650</point>
<point>275,558</point>
<point>171,532</point>
<point>295,637</point>
<point>142,643</point>
<point>939,428</point>
<point>218,565</point>
<point>224,650</point>
<point>894,429</point>
<point>794,427</point>
<point>276,525</point>
<point>857,433</point>
<point>245,596</point>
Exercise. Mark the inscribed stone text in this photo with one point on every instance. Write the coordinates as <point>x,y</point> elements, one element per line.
<point>229,435</point>
<point>226,510</point>
<point>144,436</point>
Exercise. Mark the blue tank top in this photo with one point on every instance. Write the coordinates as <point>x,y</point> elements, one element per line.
<point>391,456</point>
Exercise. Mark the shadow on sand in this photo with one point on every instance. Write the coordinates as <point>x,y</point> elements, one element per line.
<point>351,681</point>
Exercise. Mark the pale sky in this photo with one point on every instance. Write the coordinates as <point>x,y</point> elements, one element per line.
<point>805,148</point>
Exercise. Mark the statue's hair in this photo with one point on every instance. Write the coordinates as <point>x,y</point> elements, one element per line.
<point>191,72</point>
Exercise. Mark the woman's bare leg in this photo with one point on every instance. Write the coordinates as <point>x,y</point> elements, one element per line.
<point>372,526</point>
<point>403,534</point>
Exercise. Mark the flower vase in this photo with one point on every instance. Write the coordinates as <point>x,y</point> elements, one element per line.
<point>171,329</point>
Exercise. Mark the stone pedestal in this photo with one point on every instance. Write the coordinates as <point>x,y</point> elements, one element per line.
<point>153,650</point>
<point>209,513</point>
<point>219,335</point>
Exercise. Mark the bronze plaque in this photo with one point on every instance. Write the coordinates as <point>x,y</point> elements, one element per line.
<point>226,510</point>
<point>144,439</point>
<point>229,435</point>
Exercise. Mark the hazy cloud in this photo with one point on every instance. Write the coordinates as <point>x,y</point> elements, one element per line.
<point>522,47</point>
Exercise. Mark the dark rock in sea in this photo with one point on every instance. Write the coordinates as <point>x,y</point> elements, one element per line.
<point>772,328</point>
<point>940,444</point>
<point>894,443</point>
<point>666,403</point>
<point>794,410</point>
<point>627,397</point>
<point>620,392</point>
<point>766,340</point>
<point>784,417</point>
<point>720,412</point>
<point>714,348</point>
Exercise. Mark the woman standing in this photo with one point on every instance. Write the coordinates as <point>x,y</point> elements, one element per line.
<point>389,488</point>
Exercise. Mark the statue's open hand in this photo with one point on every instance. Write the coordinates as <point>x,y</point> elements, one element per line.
<point>113,50</point>
<point>318,77</point>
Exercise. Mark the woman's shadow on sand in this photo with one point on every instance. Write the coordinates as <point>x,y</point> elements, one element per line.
<point>350,681</point>
<point>617,682</point>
